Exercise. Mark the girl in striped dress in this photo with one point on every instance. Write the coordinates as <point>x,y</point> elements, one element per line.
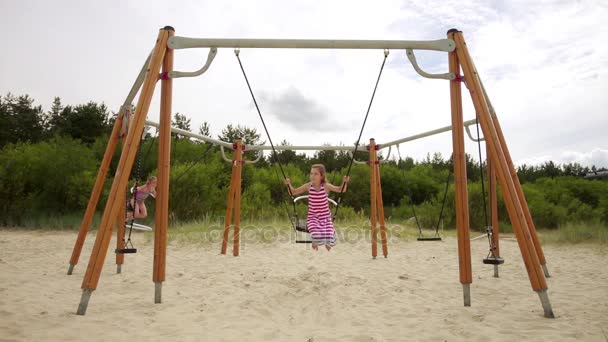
<point>318,220</point>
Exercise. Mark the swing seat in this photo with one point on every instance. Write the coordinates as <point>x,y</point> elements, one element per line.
<point>301,225</point>
<point>125,250</point>
<point>429,239</point>
<point>492,260</point>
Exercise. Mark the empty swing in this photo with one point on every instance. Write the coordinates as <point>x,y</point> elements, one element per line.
<point>492,258</point>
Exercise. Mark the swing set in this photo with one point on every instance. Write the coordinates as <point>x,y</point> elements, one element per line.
<point>159,66</point>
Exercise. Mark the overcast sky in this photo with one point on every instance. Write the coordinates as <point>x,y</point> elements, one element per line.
<point>543,63</point>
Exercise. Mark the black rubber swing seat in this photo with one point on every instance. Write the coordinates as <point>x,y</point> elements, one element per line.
<point>429,239</point>
<point>301,225</point>
<point>302,229</point>
<point>125,250</point>
<point>493,261</point>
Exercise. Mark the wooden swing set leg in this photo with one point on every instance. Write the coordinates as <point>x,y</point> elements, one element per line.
<point>113,205</point>
<point>460,180</point>
<point>374,197</point>
<point>237,205</point>
<point>96,193</point>
<point>229,206</point>
<point>163,166</point>
<point>380,202</point>
<point>234,201</point>
<point>505,171</point>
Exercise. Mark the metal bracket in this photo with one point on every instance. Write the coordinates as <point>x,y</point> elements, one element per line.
<point>210,57</point>
<point>246,161</point>
<point>386,160</point>
<point>478,139</point>
<point>410,55</point>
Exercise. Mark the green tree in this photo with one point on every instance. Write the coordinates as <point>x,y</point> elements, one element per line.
<point>182,122</point>
<point>250,136</point>
<point>205,129</point>
<point>20,120</point>
<point>84,122</point>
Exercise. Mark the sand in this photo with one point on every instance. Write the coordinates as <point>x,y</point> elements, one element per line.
<point>287,292</point>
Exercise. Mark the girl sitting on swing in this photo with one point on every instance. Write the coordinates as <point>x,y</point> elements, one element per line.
<point>136,207</point>
<point>319,220</point>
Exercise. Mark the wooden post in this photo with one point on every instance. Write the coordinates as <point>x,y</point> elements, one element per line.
<point>113,205</point>
<point>229,206</point>
<point>380,209</point>
<point>96,193</point>
<point>164,165</point>
<point>493,199</point>
<point>460,180</point>
<point>504,173</point>
<point>373,195</point>
<point>237,198</point>
<point>232,192</point>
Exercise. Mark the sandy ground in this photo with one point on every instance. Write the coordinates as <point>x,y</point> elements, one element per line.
<point>287,292</point>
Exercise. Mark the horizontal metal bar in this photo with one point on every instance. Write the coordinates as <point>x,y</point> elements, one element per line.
<point>193,135</point>
<point>177,42</point>
<point>310,148</point>
<point>303,148</point>
<point>423,135</point>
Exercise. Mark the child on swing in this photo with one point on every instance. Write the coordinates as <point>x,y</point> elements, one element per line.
<point>136,207</point>
<point>319,220</point>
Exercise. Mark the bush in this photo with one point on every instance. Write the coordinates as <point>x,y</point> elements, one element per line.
<point>198,190</point>
<point>54,177</point>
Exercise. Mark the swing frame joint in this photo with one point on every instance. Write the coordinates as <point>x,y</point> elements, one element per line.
<point>459,78</point>
<point>164,76</point>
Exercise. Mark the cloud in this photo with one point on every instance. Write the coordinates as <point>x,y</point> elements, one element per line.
<point>597,157</point>
<point>542,63</point>
<point>296,110</point>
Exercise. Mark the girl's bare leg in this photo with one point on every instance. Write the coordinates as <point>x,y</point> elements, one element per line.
<point>315,247</point>
<point>143,210</point>
<point>138,211</point>
<point>328,247</point>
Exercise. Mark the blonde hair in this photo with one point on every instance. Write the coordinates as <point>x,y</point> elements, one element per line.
<point>321,169</point>
<point>151,179</point>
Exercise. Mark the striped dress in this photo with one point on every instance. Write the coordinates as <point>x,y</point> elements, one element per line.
<point>318,221</point>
